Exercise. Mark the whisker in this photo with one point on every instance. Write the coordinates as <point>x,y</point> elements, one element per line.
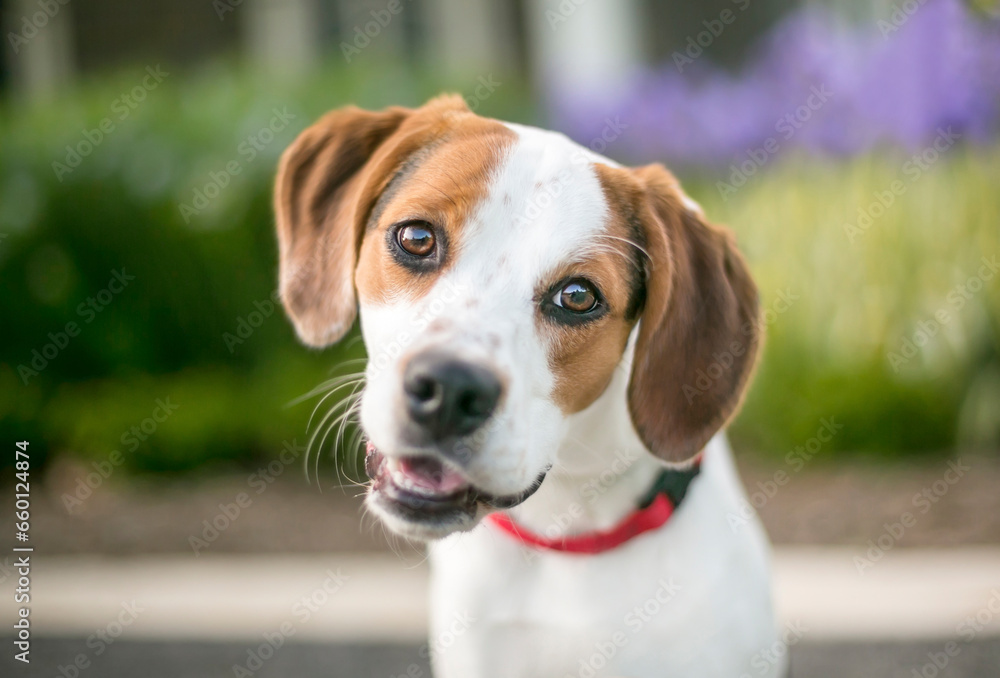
<point>323,399</point>
<point>321,387</point>
<point>593,248</point>
<point>353,407</point>
<point>333,410</point>
<point>349,404</point>
<point>627,242</point>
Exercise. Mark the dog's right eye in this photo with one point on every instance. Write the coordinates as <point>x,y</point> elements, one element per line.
<point>574,302</point>
<point>417,239</point>
<point>577,296</point>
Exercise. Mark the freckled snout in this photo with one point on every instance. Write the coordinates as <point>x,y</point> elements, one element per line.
<point>447,398</point>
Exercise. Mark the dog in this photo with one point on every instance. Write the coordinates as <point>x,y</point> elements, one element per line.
<point>555,343</point>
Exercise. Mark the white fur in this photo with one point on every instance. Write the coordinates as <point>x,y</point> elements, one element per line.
<point>538,613</point>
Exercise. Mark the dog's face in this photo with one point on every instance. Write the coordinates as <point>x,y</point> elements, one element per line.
<point>499,272</point>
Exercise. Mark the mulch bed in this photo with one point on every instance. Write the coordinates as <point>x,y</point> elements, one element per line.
<point>845,503</point>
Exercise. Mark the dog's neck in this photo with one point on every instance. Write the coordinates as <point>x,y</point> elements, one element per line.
<point>602,469</point>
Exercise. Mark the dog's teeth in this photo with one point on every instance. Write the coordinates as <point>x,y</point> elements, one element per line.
<point>403,481</point>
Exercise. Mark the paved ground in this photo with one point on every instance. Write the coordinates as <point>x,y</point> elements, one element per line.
<point>151,659</point>
<point>177,615</point>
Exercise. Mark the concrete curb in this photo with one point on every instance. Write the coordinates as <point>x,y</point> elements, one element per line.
<point>917,594</point>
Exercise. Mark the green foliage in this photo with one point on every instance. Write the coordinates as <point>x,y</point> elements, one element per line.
<point>170,332</point>
<point>852,346</point>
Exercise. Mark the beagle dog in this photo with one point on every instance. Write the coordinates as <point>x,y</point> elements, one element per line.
<point>554,343</point>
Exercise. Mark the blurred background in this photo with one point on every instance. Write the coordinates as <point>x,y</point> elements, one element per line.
<point>852,146</point>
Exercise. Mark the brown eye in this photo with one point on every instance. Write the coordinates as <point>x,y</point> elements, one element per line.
<point>578,296</point>
<point>417,239</point>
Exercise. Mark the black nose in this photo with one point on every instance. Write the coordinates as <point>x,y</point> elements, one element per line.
<point>448,397</point>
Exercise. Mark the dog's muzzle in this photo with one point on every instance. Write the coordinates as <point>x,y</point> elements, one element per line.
<point>426,491</point>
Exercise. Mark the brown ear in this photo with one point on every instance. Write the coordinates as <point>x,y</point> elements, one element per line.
<point>327,184</point>
<point>699,332</point>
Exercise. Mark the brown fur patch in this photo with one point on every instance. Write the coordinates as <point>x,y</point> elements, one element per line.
<point>443,187</point>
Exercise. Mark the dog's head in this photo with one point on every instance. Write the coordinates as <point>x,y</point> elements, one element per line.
<point>500,272</point>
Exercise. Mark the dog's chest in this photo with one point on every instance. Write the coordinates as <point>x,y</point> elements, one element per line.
<point>691,599</point>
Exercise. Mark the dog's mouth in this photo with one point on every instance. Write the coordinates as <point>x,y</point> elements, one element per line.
<point>424,490</point>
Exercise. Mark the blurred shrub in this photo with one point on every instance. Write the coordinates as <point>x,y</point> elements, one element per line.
<point>153,196</point>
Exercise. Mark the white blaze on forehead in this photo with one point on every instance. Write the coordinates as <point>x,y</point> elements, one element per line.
<point>545,205</point>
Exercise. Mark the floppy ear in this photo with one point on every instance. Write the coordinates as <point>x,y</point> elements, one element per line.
<point>699,332</point>
<point>328,181</point>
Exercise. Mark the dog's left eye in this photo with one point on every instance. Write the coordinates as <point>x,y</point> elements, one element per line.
<point>578,296</point>
<point>416,239</point>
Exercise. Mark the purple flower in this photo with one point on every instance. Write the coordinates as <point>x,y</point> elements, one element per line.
<point>886,83</point>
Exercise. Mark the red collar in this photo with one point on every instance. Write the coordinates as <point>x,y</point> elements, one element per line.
<point>641,520</point>
<point>655,509</point>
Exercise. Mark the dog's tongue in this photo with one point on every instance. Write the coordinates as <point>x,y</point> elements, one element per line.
<point>427,474</point>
